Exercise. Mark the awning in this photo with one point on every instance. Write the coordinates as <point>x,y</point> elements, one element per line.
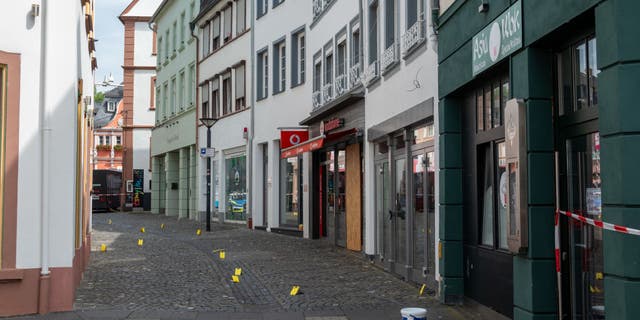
<point>315,143</point>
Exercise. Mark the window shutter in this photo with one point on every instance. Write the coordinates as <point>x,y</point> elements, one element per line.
<point>373,34</point>
<point>389,22</point>
<point>216,30</point>
<point>240,82</point>
<point>412,12</point>
<point>294,60</point>
<point>241,16</point>
<point>276,68</point>
<point>227,22</point>
<point>206,42</point>
<point>260,76</point>
<point>259,4</point>
<point>204,91</point>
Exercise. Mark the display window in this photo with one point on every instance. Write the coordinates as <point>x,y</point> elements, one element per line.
<point>236,188</point>
<point>290,182</point>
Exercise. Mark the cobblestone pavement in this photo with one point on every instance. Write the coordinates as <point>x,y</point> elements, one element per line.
<point>175,274</point>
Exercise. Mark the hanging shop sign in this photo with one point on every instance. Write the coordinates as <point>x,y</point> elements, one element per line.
<point>293,137</point>
<point>328,125</point>
<point>499,39</point>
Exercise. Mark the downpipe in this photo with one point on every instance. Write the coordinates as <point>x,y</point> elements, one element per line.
<point>250,197</point>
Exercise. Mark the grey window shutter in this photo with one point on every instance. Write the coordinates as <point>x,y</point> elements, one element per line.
<point>294,60</point>
<point>259,3</point>
<point>412,12</point>
<point>373,34</point>
<point>260,77</point>
<point>389,22</point>
<point>276,68</point>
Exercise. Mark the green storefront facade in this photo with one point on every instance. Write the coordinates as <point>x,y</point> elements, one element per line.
<point>575,67</point>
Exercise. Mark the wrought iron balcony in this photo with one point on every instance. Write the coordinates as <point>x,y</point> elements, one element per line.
<point>355,75</point>
<point>316,99</point>
<point>318,7</point>
<point>413,36</point>
<point>389,56</point>
<point>372,72</point>
<point>327,93</point>
<point>342,84</point>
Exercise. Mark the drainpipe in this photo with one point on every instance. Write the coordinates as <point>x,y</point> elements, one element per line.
<point>251,125</point>
<point>192,26</point>
<point>435,13</point>
<point>43,302</point>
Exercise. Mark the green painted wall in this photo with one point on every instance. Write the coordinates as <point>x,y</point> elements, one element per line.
<point>618,34</point>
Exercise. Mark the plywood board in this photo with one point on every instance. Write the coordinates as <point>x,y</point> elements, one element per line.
<point>354,198</point>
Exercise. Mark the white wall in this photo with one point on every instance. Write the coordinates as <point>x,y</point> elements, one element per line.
<point>144,45</point>
<point>142,115</point>
<point>68,61</point>
<point>141,159</point>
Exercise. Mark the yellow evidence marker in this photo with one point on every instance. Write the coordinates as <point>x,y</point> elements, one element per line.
<point>294,290</point>
<point>198,232</point>
<point>140,242</point>
<point>162,226</point>
<point>238,271</point>
<point>142,229</point>
<point>222,255</point>
<point>235,279</point>
<point>422,289</point>
<point>110,222</point>
<point>599,276</point>
<point>103,247</point>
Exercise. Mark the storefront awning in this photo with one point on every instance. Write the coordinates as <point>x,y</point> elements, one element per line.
<point>315,143</point>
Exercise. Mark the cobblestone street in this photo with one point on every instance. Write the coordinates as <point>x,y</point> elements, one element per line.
<point>175,274</point>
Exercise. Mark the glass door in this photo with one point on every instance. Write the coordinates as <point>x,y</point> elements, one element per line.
<point>423,190</point>
<point>400,214</point>
<point>383,210</point>
<point>329,213</point>
<point>583,243</point>
<point>341,204</point>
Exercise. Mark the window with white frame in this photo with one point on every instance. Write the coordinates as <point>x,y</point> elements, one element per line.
<point>173,95</point>
<point>215,97</point>
<point>263,7</point>
<point>165,99</point>
<point>182,28</point>
<point>317,75</point>
<point>118,140</point>
<point>111,106</point>
<point>206,39</point>
<point>279,66</point>
<point>341,58</point>
<point>215,31</point>
<point>181,91</point>
<point>204,92</point>
<point>356,50</point>
<point>241,16</point>
<point>175,36</point>
<point>263,74</point>
<point>227,107</point>
<point>228,22</point>
<point>192,84</point>
<point>166,45</point>
<point>159,57</point>
<point>107,140</point>
<point>389,23</point>
<point>240,87</point>
<point>373,32</point>
<point>298,57</point>
<point>100,140</point>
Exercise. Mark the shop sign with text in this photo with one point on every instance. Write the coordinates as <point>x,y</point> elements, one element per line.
<point>499,39</point>
<point>328,125</point>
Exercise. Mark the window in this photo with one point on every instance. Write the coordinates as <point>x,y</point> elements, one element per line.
<point>279,66</point>
<point>290,182</point>
<point>166,45</point>
<point>263,74</point>
<point>181,91</point>
<point>227,23</point>
<point>192,83</point>
<point>182,29</point>
<point>414,12</point>
<point>173,96</point>
<point>578,77</point>
<point>204,91</point>
<point>175,36</point>
<point>492,175</point>
<point>215,37</point>
<point>355,47</point>
<point>263,6</point>
<point>159,56</point>
<point>490,103</point>
<point>389,22</point>
<point>152,98</point>
<point>206,40</point>
<point>165,100</point>
<point>240,87</point>
<point>215,97</point>
<point>241,14</point>
<point>317,76</point>
<point>236,188</point>
<point>342,57</point>
<point>277,2</point>
<point>226,94</point>
<point>158,103</point>
<point>328,69</point>
<point>192,10</point>
<point>373,33</point>
<point>107,140</point>
<point>118,140</point>
<point>100,140</point>
<point>298,48</point>
<point>111,106</point>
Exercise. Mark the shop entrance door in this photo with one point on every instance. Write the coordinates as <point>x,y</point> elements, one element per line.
<point>582,250</point>
<point>335,199</point>
<point>422,194</point>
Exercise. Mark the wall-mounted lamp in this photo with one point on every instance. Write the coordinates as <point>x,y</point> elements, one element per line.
<point>35,10</point>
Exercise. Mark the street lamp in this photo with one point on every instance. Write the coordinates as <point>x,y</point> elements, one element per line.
<point>208,122</point>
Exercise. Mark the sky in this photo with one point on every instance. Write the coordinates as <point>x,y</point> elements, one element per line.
<point>110,35</point>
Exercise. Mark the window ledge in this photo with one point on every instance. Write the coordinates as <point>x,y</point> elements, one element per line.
<point>297,84</point>
<point>166,62</point>
<point>390,68</point>
<point>225,44</point>
<point>181,47</point>
<point>11,274</point>
<point>373,81</point>
<point>275,93</point>
<point>409,52</point>
<point>190,40</point>
<point>174,55</point>
<point>261,98</point>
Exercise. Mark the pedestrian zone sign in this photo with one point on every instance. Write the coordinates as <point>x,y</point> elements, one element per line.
<point>207,152</point>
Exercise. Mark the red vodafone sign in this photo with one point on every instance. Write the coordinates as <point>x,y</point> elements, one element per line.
<point>290,138</point>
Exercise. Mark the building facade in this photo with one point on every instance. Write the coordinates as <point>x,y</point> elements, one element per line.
<point>107,132</point>
<point>173,141</point>
<point>224,91</point>
<point>282,99</point>
<point>138,103</point>
<point>536,118</point>
<point>46,93</point>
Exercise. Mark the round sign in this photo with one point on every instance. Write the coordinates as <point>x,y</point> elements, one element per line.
<point>294,139</point>
<point>503,190</point>
<point>495,37</point>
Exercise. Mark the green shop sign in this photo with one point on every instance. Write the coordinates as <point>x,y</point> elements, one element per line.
<point>498,40</point>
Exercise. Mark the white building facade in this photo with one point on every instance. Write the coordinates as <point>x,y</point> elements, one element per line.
<point>46,93</point>
<point>173,142</point>
<point>224,93</point>
<point>138,102</point>
<point>281,94</point>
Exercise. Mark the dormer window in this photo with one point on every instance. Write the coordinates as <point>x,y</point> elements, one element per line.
<point>111,106</point>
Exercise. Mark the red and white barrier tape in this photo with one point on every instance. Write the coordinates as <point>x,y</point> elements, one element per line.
<point>599,224</point>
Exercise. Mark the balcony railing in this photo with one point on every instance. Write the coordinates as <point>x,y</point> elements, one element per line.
<point>413,36</point>
<point>342,84</point>
<point>355,76</point>
<point>327,93</point>
<point>389,56</point>
<point>318,7</point>
<point>316,99</point>
<point>372,72</point>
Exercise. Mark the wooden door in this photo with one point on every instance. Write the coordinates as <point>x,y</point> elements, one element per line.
<point>354,198</point>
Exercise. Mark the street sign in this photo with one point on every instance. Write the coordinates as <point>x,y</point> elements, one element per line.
<point>207,152</point>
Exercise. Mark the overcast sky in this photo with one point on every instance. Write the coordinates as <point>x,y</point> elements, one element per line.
<point>110,35</point>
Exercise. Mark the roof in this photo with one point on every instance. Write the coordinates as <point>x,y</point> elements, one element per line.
<point>205,6</point>
<point>139,9</point>
<point>104,119</point>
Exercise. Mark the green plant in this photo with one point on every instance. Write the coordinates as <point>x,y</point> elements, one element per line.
<point>103,147</point>
<point>117,147</point>
<point>98,97</point>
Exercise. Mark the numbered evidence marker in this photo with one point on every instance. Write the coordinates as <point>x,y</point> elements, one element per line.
<point>110,222</point>
<point>238,272</point>
<point>235,279</point>
<point>198,232</point>
<point>422,289</point>
<point>162,226</point>
<point>142,229</point>
<point>103,247</point>
<point>222,255</point>
<point>140,242</point>
<point>294,290</point>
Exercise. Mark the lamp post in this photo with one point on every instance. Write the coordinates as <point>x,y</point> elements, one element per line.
<point>208,122</point>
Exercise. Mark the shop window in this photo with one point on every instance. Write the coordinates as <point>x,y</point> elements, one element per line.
<point>490,103</point>
<point>236,188</point>
<point>289,183</point>
<point>492,196</point>
<point>423,134</point>
<point>577,76</point>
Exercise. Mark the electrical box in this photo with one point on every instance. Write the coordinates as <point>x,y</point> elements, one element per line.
<point>516,154</point>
